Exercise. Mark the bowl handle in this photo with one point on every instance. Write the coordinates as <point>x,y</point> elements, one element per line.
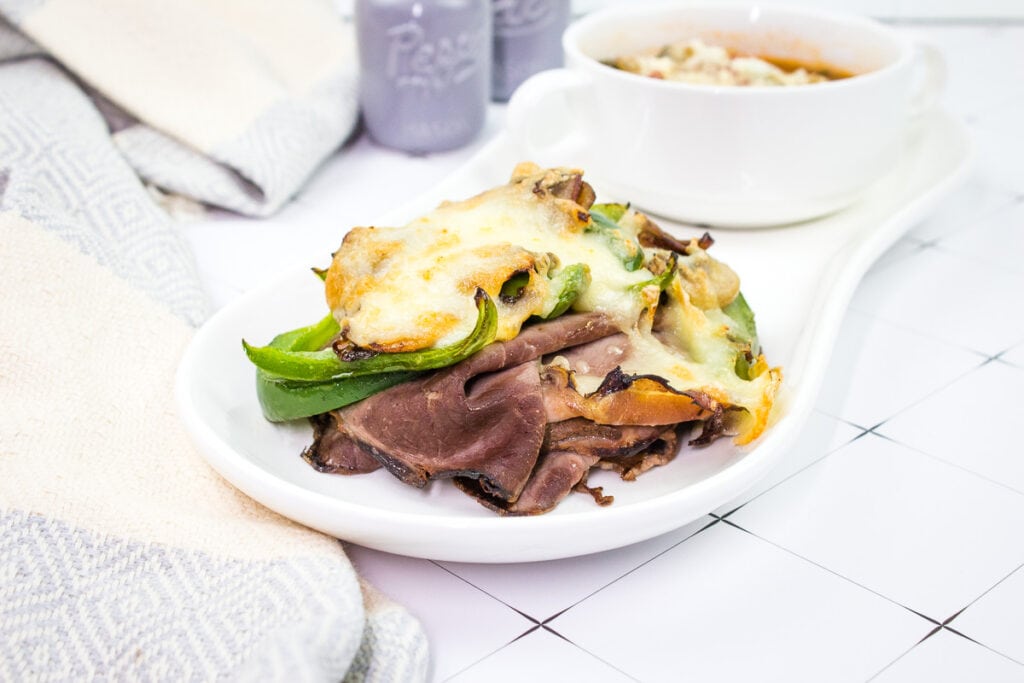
<point>544,117</point>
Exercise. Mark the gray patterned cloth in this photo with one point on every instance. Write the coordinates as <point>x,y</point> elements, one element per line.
<point>242,127</point>
<point>123,556</point>
<point>59,620</point>
<point>60,171</point>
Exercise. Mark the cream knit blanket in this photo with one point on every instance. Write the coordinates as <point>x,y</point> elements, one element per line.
<point>123,556</point>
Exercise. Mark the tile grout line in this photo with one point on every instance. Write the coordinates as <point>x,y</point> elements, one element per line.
<point>538,622</point>
<point>622,576</point>
<point>491,653</point>
<point>864,432</point>
<point>998,358</point>
<point>539,627</point>
<point>923,616</point>
<point>975,260</point>
<point>943,461</point>
<point>831,571</point>
<point>991,212</point>
<point>916,332</point>
<point>806,467</point>
<point>583,649</point>
<point>980,644</point>
<point>519,637</point>
<point>846,421</point>
<point>939,626</point>
<point>918,245</point>
<point>983,594</point>
<point>905,653</point>
<point>839,418</point>
<point>984,359</point>
<point>488,594</point>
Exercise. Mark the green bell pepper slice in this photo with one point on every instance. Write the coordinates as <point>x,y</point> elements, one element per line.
<point>626,249</point>
<point>744,334</point>
<point>566,286</point>
<point>613,211</point>
<point>513,287</point>
<point>739,312</point>
<point>283,400</point>
<point>662,280</point>
<point>296,363</point>
<point>311,338</point>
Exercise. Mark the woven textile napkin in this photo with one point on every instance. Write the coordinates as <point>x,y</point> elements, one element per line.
<point>232,102</point>
<point>123,556</point>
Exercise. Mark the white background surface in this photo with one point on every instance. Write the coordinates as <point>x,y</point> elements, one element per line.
<point>890,543</point>
<point>891,9</point>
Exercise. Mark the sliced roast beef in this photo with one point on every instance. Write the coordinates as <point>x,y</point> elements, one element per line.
<point>555,476</point>
<point>571,448</point>
<point>598,357</point>
<point>621,399</point>
<point>482,419</point>
<point>491,423</point>
<point>660,451</point>
<point>600,441</point>
<point>624,399</point>
<point>333,451</point>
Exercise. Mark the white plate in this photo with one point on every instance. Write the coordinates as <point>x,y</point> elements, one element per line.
<point>798,279</point>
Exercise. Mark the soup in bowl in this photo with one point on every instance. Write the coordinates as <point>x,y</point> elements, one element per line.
<point>694,61</point>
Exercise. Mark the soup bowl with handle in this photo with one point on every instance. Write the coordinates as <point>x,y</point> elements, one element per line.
<point>727,155</point>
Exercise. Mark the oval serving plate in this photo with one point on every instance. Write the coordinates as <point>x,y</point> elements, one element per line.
<point>798,279</point>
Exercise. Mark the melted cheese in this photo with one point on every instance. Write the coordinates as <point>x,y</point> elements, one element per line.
<point>695,348</point>
<point>400,289</point>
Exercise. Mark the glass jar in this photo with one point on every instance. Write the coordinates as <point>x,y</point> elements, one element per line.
<point>425,69</point>
<point>527,39</point>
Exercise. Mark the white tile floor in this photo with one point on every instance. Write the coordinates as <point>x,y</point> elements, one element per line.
<point>925,534</point>
<point>997,618</point>
<point>1014,356</point>
<point>889,545</point>
<point>946,657</point>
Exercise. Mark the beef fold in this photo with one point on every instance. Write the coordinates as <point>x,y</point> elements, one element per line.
<point>601,441</point>
<point>570,449</point>
<point>659,452</point>
<point>332,451</point>
<point>556,475</point>
<point>482,419</point>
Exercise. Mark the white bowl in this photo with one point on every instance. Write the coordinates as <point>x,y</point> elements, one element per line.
<point>728,155</point>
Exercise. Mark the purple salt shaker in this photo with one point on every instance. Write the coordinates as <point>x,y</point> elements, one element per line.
<point>527,39</point>
<point>425,70</point>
